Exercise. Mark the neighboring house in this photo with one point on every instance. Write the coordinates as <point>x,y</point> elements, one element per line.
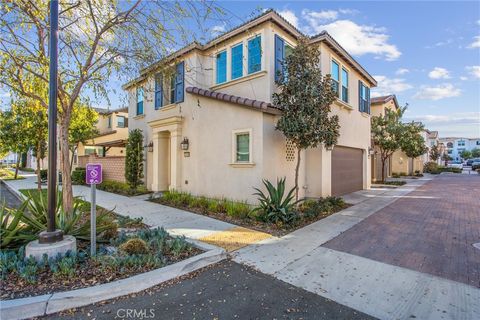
<point>10,159</point>
<point>210,128</point>
<point>455,145</point>
<point>108,147</point>
<point>398,162</point>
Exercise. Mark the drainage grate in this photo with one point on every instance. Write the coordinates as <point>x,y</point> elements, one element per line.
<point>476,245</point>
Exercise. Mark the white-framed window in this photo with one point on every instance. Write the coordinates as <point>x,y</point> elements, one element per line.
<point>242,146</point>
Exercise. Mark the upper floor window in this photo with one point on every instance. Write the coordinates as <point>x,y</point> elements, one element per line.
<point>478,142</point>
<point>344,85</point>
<point>158,91</point>
<point>461,143</point>
<point>254,54</point>
<point>222,67</point>
<point>139,100</point>
<point>109,126</point>
<point>121,122</point>
<point>363,97</point>
<point>335,72</point>
<point>237,61</point>
<point>179,82</point>
<point>449,145</point>
<point>282,51</point>
<point>172,89</point>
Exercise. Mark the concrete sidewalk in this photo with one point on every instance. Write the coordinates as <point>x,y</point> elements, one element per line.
<point>175,221</point>
<point>375,288</point>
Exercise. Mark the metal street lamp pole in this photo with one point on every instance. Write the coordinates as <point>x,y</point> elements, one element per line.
<point>52,235</point>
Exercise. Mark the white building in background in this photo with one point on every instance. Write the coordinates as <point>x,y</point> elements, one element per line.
<point>9,159</point>
<point>456,145</point>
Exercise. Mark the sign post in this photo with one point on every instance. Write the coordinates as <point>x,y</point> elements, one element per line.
<point>93,177</point>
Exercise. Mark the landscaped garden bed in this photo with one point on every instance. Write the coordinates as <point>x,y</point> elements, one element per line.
<point>7,174</point>
<point>125,247</point>
<point>280,214</point>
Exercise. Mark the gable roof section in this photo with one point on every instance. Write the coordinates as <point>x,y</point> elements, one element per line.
<point>269,15</point>
<point>254,104</point>
<point>385,99</point>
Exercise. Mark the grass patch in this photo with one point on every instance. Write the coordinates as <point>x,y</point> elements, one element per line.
<point>7,174</point>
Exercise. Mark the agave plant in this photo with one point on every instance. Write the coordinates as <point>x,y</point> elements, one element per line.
<point>12,230</point>
<point>275,206</point>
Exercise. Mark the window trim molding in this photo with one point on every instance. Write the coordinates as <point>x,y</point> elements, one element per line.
<point>234,161</point>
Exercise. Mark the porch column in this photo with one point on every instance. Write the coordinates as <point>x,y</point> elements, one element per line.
<point>326,172</point>
<point>175,160</point>
<point>160,161</point>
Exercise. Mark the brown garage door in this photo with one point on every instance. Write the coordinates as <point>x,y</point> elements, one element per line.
<point>347,173</point>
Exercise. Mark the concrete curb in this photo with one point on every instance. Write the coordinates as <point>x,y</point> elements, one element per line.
<point>51,303</point>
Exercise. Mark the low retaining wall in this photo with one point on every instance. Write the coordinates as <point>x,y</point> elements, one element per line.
<point>113,167</point>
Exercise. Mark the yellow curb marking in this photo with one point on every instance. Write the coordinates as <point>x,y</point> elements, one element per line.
<point>235,238</point>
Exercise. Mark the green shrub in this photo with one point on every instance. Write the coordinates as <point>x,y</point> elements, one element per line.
<point>237,209</point>
<point>121,188</point>
<point>403,174</point>
<point>313,208</point>
<point>78,176</point>
<point>431,167</point>
<point>395,175</point>
<point>134,246</point>
<point>395,183</point>
<point>43,174</point>
<point>275,206</point>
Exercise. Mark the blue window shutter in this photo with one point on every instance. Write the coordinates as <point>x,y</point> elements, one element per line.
<point>279,57</point>
<point>254,54</point>
<point>360,85</point>
<point>158,91</point>
<point>222,67</point>
<point>179,82</point>
<point>368,99</point>
<point>237,61</point>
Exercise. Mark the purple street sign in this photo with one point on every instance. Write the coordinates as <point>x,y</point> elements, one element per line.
<point>94,173</point>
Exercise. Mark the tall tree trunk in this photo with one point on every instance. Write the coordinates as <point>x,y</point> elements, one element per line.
<point>296,173</point>
<point>16,166</point>
<point>39,178</point>
<point>67,192</point>
<point>383,168</point>
<point>73,156</point>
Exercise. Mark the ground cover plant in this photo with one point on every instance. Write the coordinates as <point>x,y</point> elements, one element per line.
<point>122,188</point>
<point>277,213</point>
<point>395,183</point>
<point>7,174</point>
<point>125,247</point>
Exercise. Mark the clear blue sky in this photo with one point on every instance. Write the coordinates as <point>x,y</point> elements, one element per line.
<point>427,53</point>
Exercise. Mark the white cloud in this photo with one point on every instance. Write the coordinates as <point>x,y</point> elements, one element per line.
<point>402,71</point>
<point>463,78</point>
<point>388,86</point>
<point>478,22</point>
<point>315,17</point>
<point>356,39</point>
<point>474,71</point>
<point>465,124</point>
<point>475,43</point>
<point>218,29</point>
<point>446,90</point>
<point>439,73</point>
<point>290,16</point>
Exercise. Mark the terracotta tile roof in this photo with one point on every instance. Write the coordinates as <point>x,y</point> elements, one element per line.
<point>382,99</point>
<point>256,104</point>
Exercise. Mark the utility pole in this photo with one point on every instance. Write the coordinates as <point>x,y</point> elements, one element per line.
<point>52,235</point>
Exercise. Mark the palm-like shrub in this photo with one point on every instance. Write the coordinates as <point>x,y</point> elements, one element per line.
<point>12,231</point>
<point>274,205</point>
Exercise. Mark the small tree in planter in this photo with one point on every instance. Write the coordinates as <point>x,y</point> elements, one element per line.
<point>305,98</point>
<point>134,159</point>
<point>386,133</point>
<point>411,141</point>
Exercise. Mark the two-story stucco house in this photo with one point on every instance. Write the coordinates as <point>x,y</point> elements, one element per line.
<point>456,145</point>
<point>210,127</point>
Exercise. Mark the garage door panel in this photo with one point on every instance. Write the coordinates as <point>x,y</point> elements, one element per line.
<point>347,170</point>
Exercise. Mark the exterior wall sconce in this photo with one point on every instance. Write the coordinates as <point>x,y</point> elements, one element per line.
<point>371,151</point>
<point>184,144</point>
<point>150,146</point>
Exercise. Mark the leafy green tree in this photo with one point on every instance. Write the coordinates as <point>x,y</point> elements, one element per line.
<point>82,127</point>
<point>387,131</point>
<point>134,159</point>
<point>446,158</point>
<point>476,153</point>
<point>305,97</point>
<point>466,154</point>
<point>16,131</point>
<point>97,40</point>
<point>434,153</point>
<point>411,140</point>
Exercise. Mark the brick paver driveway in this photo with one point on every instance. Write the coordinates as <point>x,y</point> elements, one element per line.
<point>430,230</point>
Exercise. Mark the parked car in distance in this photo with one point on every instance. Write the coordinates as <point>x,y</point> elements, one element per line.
<point>455,164</point>
<point>471,161</point>
<point>475,165</point>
